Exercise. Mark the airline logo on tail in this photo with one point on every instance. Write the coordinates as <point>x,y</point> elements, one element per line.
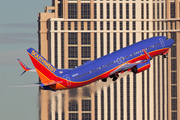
<point>43,61</point>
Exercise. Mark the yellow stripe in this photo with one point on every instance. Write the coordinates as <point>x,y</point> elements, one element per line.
<point>49,79</point>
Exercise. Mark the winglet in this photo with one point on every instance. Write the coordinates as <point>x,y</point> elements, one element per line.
<point>146,54</point>
<point>23,66</point>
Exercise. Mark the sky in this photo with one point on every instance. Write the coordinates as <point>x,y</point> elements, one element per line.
<point>18,32</point>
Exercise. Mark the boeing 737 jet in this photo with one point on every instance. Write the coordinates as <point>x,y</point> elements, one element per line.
<point>135,58</point>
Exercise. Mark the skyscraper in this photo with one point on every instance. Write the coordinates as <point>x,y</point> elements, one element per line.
<point>73,32</point>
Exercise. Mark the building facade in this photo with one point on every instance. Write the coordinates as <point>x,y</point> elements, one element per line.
<point>74,31</point>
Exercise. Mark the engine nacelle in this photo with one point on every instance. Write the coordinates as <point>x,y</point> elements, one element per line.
<point>141,67</point>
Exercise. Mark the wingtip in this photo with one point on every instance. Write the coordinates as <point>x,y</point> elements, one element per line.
<point>22,73</point>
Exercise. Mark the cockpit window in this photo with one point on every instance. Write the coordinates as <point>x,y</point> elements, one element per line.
<point>167,38</point>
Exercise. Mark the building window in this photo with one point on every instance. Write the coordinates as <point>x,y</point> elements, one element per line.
<point>101,10</point>
<point>173,51</point>
<point>162,10</point>
<point>108,42</point>
<point>108,11</point>
<point>174,116</point>
<point>121,40</point>
<point>86,52</point>
<point>134,10</point>
<point>158,25</point>
<point>82,25</point>
<point>127,10</point>
<point>173,36</point>
<point>55,25</point>
<point>121,25</point>
<point>173,77</point>
<point>75,25</point>
<point>86,105</point>
<point>114,10</point>
<point>101,25</point>
<point>95,45</point>
<point>127,39</point>
<point>174,104</point>
<point>85,39</point>
<point>95,96</point>
<point>85,10</point>
<point>134,25</point>
<point>153,25</point>
<point>147,10</point>
<point>109,101</point>
<point>86,90</point>
<point>69,25</point>
<point>173,91</point>
<point>134,37</point>
<point>72,10</point>
<point>114,25</point>
<point>122,99</point>
<point>73,106</point>
<point>72,38</point>
<point>172,10</point>
<point>142,25</point>
<point>72,52</point>
<point>128,98</point>
<point>147,35</point>
<point>62,25</point>
<point>62,50</point>
<point>127,25</point>
<point>142,36</point>
<point>102,104</point>
<point>108,25</point>
<point>142,10</point>
<point>157,10</point>
<point>73,116</point>
<point>95,11</point>
<point>114,37</point>
<point>134,96</point>
<point>153,10</point>
<point>143,117</point>
<point>162,25</point>
<point>102,44</point>
<point>73,63</point>
<point>73,93</point>
<point>60,10</point>
<point>86,116</point>
<point>173,64</point>
<point>89,25</point>
<point>95,25</point>
<point>120,10</point>
<point>147,25</point>
<point>56,50</point>
<point>115,100</point>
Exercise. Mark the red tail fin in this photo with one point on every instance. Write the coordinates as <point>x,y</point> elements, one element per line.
<point>45,70</point>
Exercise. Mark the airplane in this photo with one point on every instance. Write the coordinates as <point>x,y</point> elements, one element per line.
<point>135,58</point>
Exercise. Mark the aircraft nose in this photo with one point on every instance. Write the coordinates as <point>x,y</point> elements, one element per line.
<point>171,42</point>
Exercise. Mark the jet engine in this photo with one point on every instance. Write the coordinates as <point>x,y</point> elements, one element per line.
<point>141,67</point>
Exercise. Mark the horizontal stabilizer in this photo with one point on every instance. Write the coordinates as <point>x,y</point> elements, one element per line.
<point>27,85</point>
<point>25,67</point>
<point>37,84</point>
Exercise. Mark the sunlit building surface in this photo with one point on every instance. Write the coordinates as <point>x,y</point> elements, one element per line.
<point>73,32</point>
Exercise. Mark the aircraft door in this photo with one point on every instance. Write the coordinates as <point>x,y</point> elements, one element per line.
<point>68,80</point>
<point>162,42</point>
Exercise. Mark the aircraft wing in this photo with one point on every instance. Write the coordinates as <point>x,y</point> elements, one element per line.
<point>127,66</point>
<point>37,84</point>
<point>130,65</point>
